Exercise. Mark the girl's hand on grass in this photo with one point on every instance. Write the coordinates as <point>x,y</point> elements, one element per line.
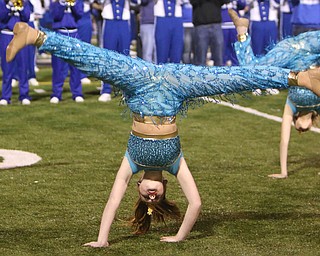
<point>278,176</point>
<point>96,244</point>
<point>170,239</point>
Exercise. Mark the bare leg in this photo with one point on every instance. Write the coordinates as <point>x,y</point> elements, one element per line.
<point>23,35</point>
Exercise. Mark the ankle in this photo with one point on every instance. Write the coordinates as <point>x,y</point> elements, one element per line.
<point>293,78</point>
<point>32,36</point>
<point>242,37</point>
<point>40,39</point>
<point>309,79</point>
<point>241,30</point>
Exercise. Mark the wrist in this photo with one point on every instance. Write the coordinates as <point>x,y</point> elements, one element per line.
<point>284,173</point>
<point>103,243</point>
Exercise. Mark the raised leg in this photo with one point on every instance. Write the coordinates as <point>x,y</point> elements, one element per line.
<point>23,35</point>
<point>241,24</point>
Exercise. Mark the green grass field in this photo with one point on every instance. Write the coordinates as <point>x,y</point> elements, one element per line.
<point>55,206</point>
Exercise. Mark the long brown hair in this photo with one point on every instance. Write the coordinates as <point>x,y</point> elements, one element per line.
<point>157,211</point>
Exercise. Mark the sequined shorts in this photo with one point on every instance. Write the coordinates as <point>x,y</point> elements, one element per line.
<point>154,154</point>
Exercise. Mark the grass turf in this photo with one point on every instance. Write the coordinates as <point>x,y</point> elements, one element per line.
<point>55,206</point>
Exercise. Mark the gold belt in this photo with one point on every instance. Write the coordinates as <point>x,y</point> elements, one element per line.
<point>155,136</point>
<point>157,120</point>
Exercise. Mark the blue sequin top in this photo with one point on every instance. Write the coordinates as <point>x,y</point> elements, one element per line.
<point>161,90</point>
<point>302,100</point>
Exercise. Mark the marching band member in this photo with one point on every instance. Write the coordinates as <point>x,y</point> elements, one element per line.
<point>168,30</point>
<point>116,33</point>
<point>65,14</point>
<point>11,12</point>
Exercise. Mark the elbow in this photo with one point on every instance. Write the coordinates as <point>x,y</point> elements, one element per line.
<point>197,205</point>
<point>200,206</point>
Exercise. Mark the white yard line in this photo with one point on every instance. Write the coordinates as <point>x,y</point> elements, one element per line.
<point>252,111</point>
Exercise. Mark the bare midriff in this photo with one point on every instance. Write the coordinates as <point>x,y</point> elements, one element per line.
<point>154,127</point>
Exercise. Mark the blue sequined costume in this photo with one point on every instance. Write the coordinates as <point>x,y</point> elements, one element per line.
<point>159,90</point>
<point>296,53</point>
<point>151,154</point>
<point>303,100</point>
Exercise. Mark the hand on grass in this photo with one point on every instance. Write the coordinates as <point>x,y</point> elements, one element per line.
<point>278,176</point>
<point>170,239</point>
<point>96,244</point>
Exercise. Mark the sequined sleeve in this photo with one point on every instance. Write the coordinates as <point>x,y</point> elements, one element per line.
<point>295,53</point>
